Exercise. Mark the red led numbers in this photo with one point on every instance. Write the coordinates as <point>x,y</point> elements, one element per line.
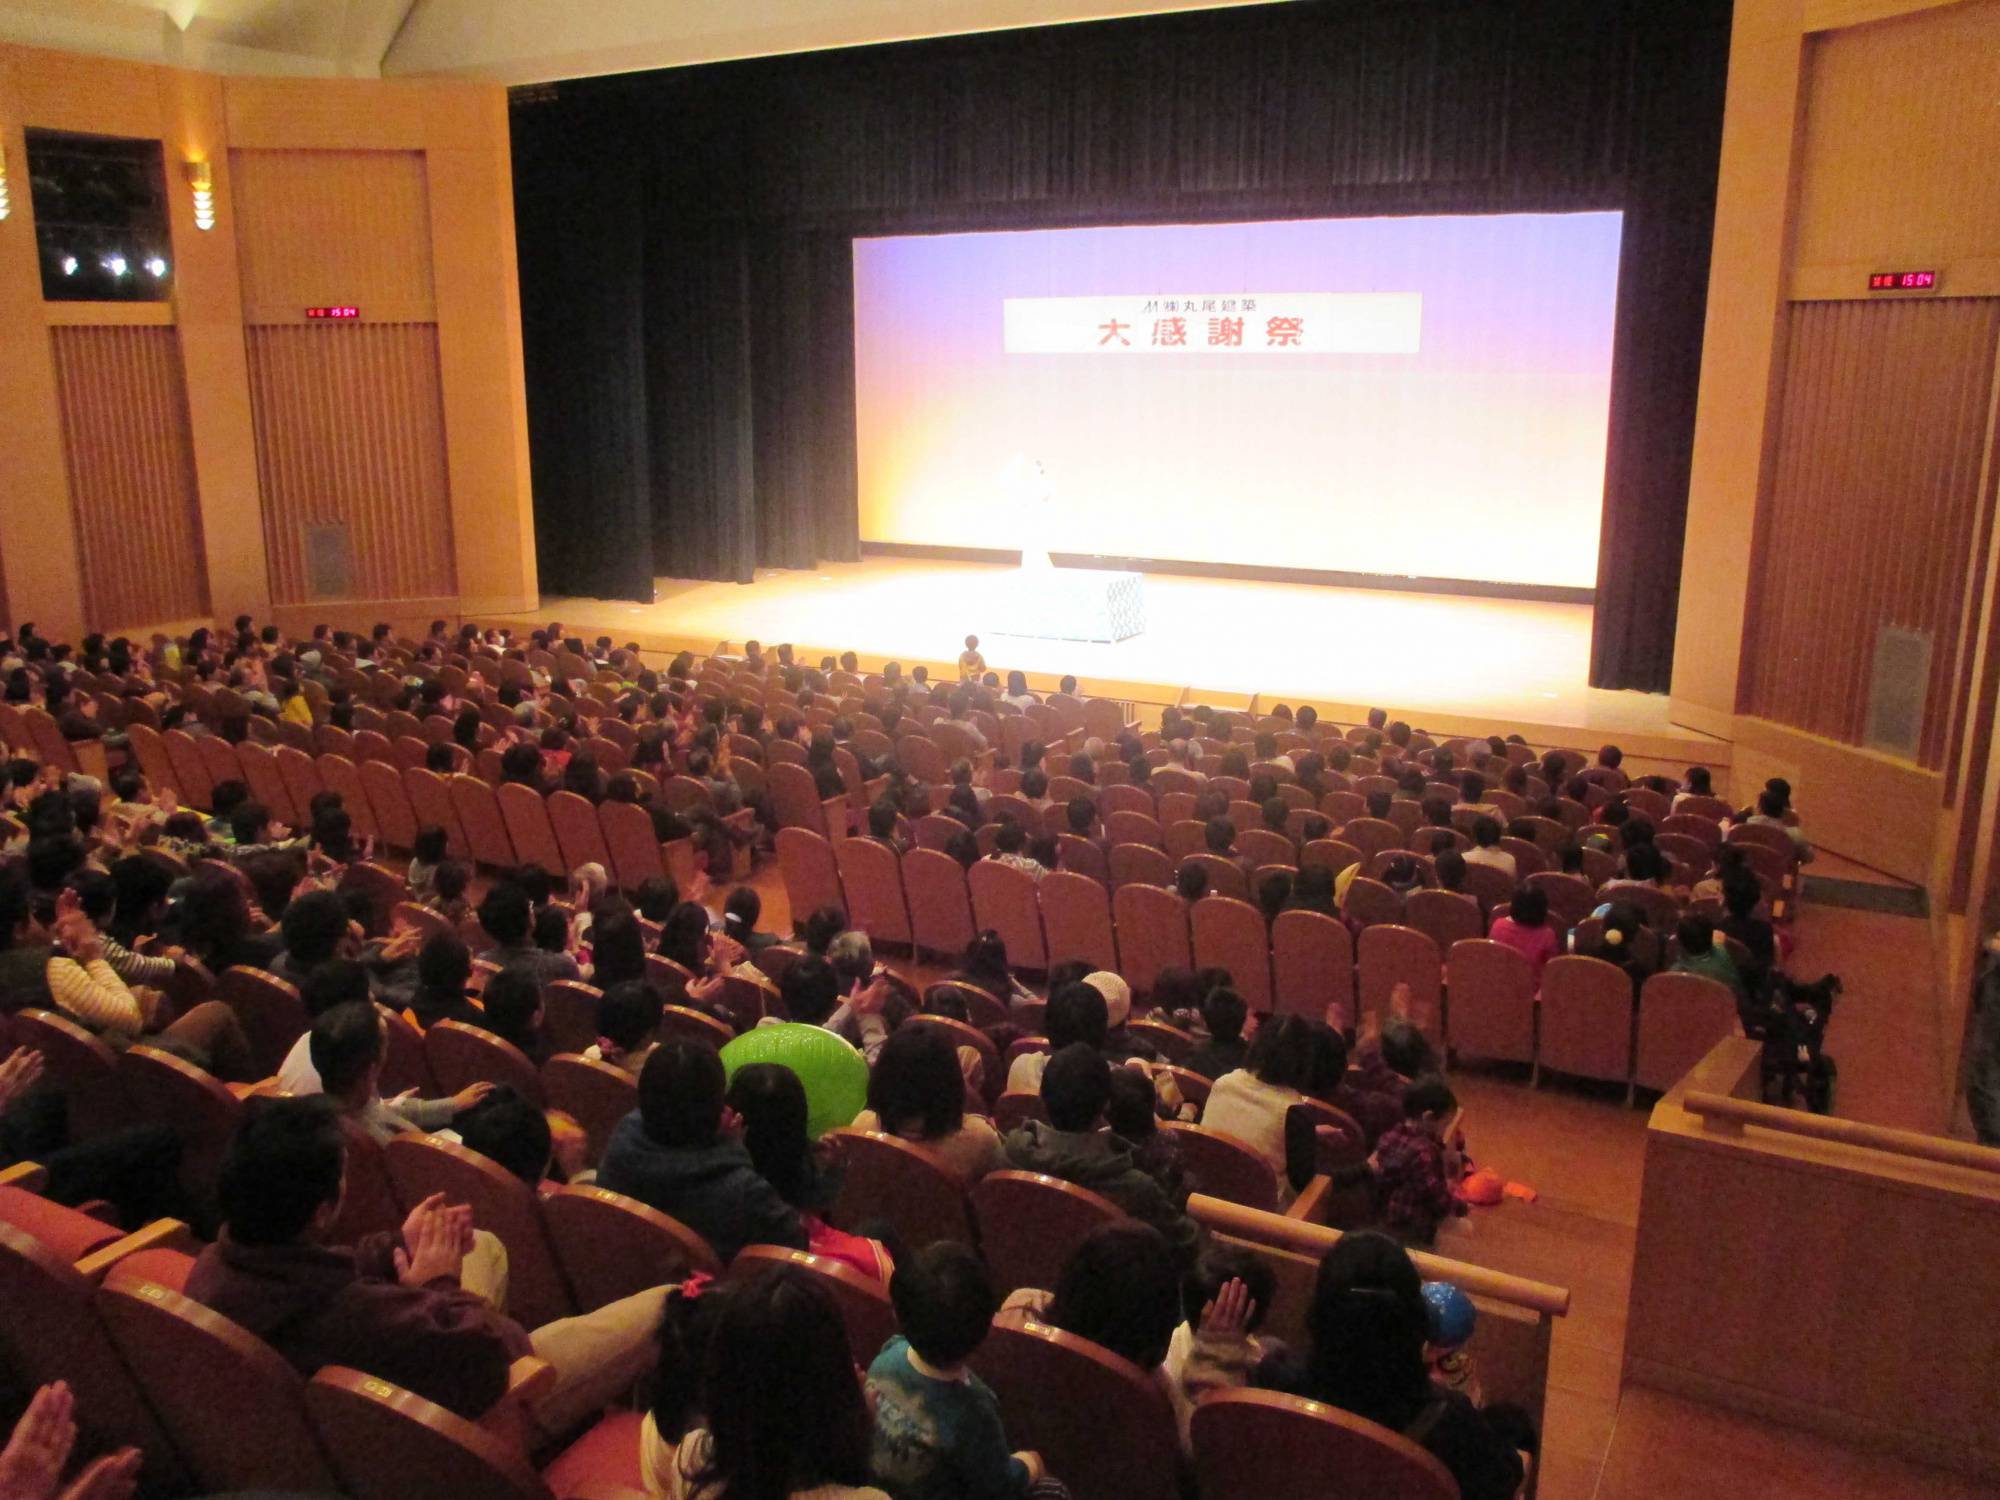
<point>333,312</point>
<point>1902,281</point>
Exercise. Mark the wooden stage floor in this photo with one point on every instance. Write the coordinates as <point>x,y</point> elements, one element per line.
<point>1445,663</point>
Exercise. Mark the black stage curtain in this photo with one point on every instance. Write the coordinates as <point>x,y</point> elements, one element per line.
<point>684,237</point>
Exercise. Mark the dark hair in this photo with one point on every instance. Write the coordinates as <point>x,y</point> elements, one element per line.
<point>772,1102</point>
<point>944,1302</point>
<point>1530,907</point>
<point>681,1091</point>
<point>1429,1095</point>
<point>344,1044</point>
<point>283,1164</point>
<point>444,964</point>
<point>1696,934</point>
<point>1121,1290</point>
<point>313,927</point>
<point>1223,1011</point>
<point>338,981</point>
<point>1076,1087</point>
<point>1129,1110</point>
<point>430,846</point>
<point>1406,1050</point>
<point>1191,880</point>
<point>617,949</point>
<point>511,1000</point>
<point>916,1079</point>
<point>1485,831</point>
<point>1217,1266</point>
<point>509,1129</point>
<point>684,936</point>
<point>783,1409</point>
<point>629,1014</point>
<point>1076,1013</point>
<point>1367,1328</point>
<point>506,914</point>
<point>810,990</point>
<point>657,895</point>
<point>1282,1053</point>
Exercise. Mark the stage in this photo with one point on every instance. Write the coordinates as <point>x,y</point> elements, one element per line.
<point>1446,663</point>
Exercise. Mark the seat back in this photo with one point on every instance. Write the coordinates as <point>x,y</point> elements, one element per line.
<point>1225,1167</point>
<point>479,815</point>
<point>1139,864</point>
<point>872,876</point>
<point>1267,847</point>
<point>1333,854</point>
<point>150,751</point>
<point>1312,964</point>
<point>1153,934</point>
<point>1004,899</point>
<point>242,1424</point>
<point>269,1010</point>
<point>419,1165</point>
<point>1372,835</point>
<point>50,1331</point>
<point>267,783</point>
<point>368,1203</point>
<point>78,1064</point>
<point>431,801</point>
<point>461,1055</point>
<point>165,1090</point>
<point>795,798</point>
<point>1101,1423</point>
<point>865,1309</point>
<point>1571,897</point>
<point>1076,919</point>
<point>903,1185</point>
<point>1389,954</point>
<point>1231,935</point>
<point>1492,1012</point>
<point>395,818</point>
<point>71,1233</point>
<point>191,779</point>
<point>569,1014</point>
<point>1130,827</point>
<point>387,1443</point>
<point>630,842</point>
<point>811,875</point>
<point>1681,1018</point>
<point>1445,917</point>
<point>1586,1019</point>
<point>1279,1447</point>
<point>595,1094</point>
<point>1029,1225</point>
<point>526,815</point>
<point>1369,903</point>
<point>612,1246</point>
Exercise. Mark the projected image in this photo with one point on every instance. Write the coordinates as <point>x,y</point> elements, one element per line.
<point>1415,396</point>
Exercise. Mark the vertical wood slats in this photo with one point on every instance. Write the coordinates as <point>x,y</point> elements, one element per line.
<point>320,227</point>
<point>1872,509</point>
<point>350,429</point>
<point>130,460</point>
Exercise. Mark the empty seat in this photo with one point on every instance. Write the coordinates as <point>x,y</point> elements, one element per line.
<point>1492,1012</point>
<point>1231,935</point>
<point>1076,919</point>
<point>1279,1447</point>
<point>1387,955</point>
<point>1004,900</point>
<point>871,874</point>
<point>461,1055</point>
<point>1312,964</point>
<point>1587,1019</point>
<point>1152,926</point>
<point>811,876</point>
<point>596,1094</point>
<point>1681,1017</point>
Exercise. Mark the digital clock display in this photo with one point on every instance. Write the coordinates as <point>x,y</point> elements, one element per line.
<point>1902,281</point>
<point>333,312</point>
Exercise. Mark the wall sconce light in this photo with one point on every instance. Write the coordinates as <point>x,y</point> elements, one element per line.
<point>6,205</point>
<point>201,179</point>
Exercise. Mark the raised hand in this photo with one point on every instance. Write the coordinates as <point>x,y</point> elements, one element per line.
<point>1229,1311</point>
<point>19,1073</point>
<point>436,1240</point>
<point>31,1465</point>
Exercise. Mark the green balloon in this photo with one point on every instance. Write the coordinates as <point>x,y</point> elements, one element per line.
<point>834,1074</point>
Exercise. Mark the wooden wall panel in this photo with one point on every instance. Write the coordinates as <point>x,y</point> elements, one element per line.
<point>1897,152</point>
<point>350,429</point>
<point>131,474</point>
<point>1873,509</point>
<point>320,227</point>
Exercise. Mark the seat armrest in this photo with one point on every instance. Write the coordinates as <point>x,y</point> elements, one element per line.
<point>29,1176</point>
<point>1311,1204</point>
<point>528,1379</point>
<point>161,1234</point>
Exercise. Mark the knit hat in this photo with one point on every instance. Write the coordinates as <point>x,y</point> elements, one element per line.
<point>1116,992</point>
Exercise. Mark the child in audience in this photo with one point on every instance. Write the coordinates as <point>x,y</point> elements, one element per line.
<point>938,1434</point>
<point>782,1414</point>
<point>447,891</point>
<point>1416,1166</point>
<point>1121,1289</point>
<point>1223,1012</point>
<point>628,1026</point>
<point>1701,954</point>
<point>1223,1302</point>
<point>1526,929</point>
<point>1132,1118</point>
<point>513,1012</point>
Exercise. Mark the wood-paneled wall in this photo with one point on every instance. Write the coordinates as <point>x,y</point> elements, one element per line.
<point>1873,509</point>
<point>350,430</point>
<point>131,474</point>
<point>325,227</point>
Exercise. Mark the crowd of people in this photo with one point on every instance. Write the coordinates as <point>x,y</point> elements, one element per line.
<point>118,905</point>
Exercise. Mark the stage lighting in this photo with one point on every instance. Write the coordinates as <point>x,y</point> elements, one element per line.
<point>155,267</point>
<point>116,265</point>
<point>201,181</point>
<point>69,265</point>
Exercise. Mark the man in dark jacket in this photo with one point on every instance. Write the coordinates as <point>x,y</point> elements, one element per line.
<point>391,1306</point>
<point>673,1153</point>
<point>1076,1089</point>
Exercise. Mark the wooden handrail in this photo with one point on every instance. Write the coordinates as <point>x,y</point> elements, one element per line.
<point>1316,1239</point>
<point>1736,1113</point>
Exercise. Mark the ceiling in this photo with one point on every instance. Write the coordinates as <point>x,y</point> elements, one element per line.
<point>511,41</point>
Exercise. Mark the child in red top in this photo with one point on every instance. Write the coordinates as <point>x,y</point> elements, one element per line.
<point>1526,929</point>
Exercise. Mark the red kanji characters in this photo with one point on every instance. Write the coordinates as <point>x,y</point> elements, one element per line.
<point>1170,331</point>
<point>1227,331</point>
<point>1113,330</point>
<point>1284,331</point>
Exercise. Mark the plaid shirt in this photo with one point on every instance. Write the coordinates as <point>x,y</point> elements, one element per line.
<point>1416,1194</point>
